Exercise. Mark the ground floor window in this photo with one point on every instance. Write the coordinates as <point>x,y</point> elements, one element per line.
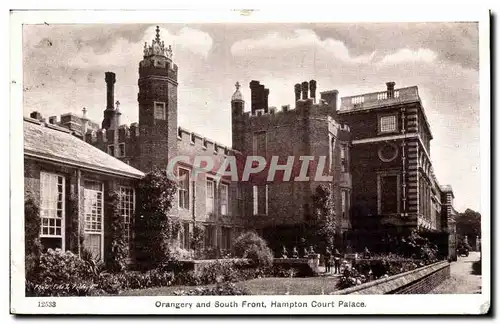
<point>210,236</point>
<point>94,218</point>
<point>127,208</point>
<point>52,198</point>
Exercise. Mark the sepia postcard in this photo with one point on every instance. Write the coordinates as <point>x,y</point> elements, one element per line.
<point>250,162</point>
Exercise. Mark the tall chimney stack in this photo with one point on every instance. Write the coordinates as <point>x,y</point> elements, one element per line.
<point>312,89</point>
<point>255,95</point>
<point>297,92</point>
<point>305,90</point>
<point>331,100</point>
<point>109,112</point>
<point>266,100</point>
<point>390,89</point>
<point>110,79</point>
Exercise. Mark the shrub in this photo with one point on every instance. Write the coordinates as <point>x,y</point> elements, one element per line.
<point>32,244</point>
<point>251,246</point>
<point>221,289</point>
<point>476,267</point>
<point>176,253</point>
<point>387,265</point>
<point>58,267</point>
<point>350,277</point>
<point>197,238</point>
<point>113,283</point>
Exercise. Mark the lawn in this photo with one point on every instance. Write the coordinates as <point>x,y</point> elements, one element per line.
<point>261,286</point>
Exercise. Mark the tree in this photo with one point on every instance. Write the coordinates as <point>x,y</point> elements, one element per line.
<point>251,246</point>
<point>156,230</point>
<point>469,224</point>
<point>324,208</point>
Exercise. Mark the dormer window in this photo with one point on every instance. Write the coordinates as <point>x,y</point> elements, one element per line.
<point>160,111</point>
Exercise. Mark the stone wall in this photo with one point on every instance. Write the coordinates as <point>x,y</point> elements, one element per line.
<point>418,281</point>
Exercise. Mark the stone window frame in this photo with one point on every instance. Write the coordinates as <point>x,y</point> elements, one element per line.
<point>254,141</point>
<point>163,105</point>
<point>94,218</point>
<point>121,153</point>
<point>381,174</point>
<point>127,210</point>
<point>47,213</point>
<point>213,191</point>
<point>226,198</point>
<point>345,205</point>
<point>255,197</point>
<point>182,192</point>
<point>111,149</point>
<point>386,115</point>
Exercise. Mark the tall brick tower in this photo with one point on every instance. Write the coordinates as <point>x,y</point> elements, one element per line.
<point>157,99</point>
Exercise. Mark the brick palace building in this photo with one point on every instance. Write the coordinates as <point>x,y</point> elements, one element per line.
<point>377,147</point>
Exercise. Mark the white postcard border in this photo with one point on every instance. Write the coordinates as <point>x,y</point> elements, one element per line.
<point>408,304</point>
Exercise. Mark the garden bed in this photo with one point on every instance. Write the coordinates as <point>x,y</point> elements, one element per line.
<point>259,286</point>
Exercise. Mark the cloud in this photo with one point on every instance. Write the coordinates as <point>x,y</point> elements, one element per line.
<point>194,40</point>
<point>299,39</point>
<point>406,55</point>
<point>92,48</point>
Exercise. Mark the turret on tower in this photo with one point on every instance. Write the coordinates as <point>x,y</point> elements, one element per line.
<point>237,102</point>
<point>237,110</point>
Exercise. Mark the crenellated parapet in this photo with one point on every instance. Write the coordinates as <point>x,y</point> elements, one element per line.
<point>188,140</point>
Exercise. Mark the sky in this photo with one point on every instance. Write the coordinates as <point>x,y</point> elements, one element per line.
<point>64,66</point>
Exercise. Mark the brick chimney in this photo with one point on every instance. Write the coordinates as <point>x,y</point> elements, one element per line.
<point>110,79</point>
<point>255,96</point>
<point>312,89</point>
<point>331,100</point>
<point>85,121</point>
<point>266,100</point>
<point>36,115</point>
<point>390,89</point>
<point>305,90</point>
<point>297,92</point>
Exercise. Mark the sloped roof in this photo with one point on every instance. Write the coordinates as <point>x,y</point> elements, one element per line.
<point>53,143</point>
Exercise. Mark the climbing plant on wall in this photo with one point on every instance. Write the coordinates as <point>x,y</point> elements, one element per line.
<point>155,229</point>
<point>116,236</point>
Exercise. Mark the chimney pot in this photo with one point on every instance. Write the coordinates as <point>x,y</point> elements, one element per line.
<point>312,88</point>
<point>390,89</point>
<point>36,115</point>
<point>53,120</point>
